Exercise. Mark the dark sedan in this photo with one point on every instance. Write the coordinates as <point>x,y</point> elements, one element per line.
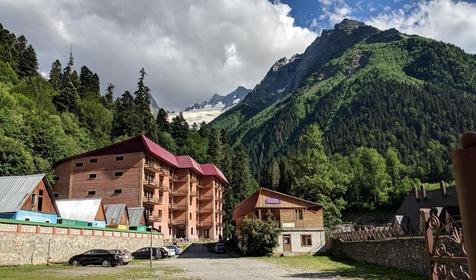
<point>144,253</point>
<point>105,258</point>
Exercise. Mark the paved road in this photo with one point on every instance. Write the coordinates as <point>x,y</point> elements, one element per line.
<point>198,262</point>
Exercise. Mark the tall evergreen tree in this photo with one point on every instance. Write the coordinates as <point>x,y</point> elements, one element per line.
<point>89,82</point>
<point>179,130</point>
<point>108,98</point>
<point>214,145</point>
<point>55,75</point>
<point>162,120</point>
<point>125,117</point>
<point>146,124</point>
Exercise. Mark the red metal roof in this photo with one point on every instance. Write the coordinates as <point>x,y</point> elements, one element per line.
<point>156,150</point>
<point>189,162</point>
<point>143,144</point>
<point>210,169</point>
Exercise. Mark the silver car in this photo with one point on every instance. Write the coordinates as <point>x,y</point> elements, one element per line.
<point>170,249</point>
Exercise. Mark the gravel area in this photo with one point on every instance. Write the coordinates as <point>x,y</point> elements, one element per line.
<point>198,262</point>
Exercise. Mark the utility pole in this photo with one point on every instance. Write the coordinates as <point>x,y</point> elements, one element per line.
<point>150,261</point>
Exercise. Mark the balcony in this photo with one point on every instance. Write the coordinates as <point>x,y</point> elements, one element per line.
<point>177,222</point>
<point>153,218</point>
<point>151,183</point>
<point>204,224</point>
<point>151,166</point>
<point>193,193</point>
<point>151,200</point>
<point>205,210</point>
<point>205,197</point>
<point>179,179</point>
<point>200,186</point>
<point>178,193</point>
<point>177,207</point>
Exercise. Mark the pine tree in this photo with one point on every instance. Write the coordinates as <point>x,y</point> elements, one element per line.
<point>214,145</point>
<point>162,121</point>
<point>89,82</point>
<point>125,117</point>
<point>179,130</point>
<point>146,124</point>
<point>55,75</point>
<point>108,98</point>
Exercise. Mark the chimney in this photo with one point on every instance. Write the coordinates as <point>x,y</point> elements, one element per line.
<point>423,192</point>
<point>443,188</point>
<point>417,193</point>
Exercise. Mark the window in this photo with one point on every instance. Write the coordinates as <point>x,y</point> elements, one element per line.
<point>191,230</point>
<point>190,216</point>
<point>55,195</point>
<point>306,240</point>
<point>40,200</point>
<point>56,178</point>
<point>92,176</point>
<point>33,200</point>
<point>91,193</point>
<point>299,214</point>
<point>160,228</point>
<point>78,164</point>
<point>190,201</point>
<point>117,174</point>
<point>170,230</point>
<point>120,158</point>
<point>93,160</point>
<point>117,191</point>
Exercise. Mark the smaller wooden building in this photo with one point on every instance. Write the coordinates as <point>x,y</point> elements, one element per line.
<point>117,216</point>
<point>27,198</point>
<point>300,221</point>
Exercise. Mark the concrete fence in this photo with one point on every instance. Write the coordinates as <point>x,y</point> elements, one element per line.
<point>39,244</point>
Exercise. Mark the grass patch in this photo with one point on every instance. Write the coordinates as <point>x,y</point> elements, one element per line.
<point>135,270</point>
<point>348,269</point>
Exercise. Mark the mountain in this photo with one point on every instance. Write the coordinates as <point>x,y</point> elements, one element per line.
<point>364,87</point>
<point>209,110</point>
<point>154,107</point>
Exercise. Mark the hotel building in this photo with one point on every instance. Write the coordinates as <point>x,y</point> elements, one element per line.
<point>181,198</point>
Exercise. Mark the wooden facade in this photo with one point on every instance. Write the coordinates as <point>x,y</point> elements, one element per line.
<point>301,222</point>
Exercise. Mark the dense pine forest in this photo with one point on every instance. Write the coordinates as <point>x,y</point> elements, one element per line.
<point>45,120</point>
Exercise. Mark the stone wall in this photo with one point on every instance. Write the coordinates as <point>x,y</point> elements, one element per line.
<point>404,253</point>
<point>32,248</point>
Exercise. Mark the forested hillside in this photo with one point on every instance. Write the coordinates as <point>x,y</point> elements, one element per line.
<point>43,121</point>
<point>376,97</point>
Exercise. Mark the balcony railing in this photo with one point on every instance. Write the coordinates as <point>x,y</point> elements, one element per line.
<point>179,207</point>
<point>205,197</point>
<point>178,179</point>
<point>204,224</point>
<point>151,183</point>
<point>178,193</point>
<point>177,222</point>
<point>151,199</point>
<point>153,218</point>
<point>152,166</point>
<point>205,210</point>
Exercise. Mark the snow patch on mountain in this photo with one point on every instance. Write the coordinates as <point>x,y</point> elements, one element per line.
<point>209,110</point>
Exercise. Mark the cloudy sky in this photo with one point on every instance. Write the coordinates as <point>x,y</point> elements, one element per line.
<point>193,49</point>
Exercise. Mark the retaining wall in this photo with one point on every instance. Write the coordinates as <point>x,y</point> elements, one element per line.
<point>32,244</point>
<point>404,253</point>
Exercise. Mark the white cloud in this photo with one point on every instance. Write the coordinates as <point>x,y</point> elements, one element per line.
<point>334,11</point>
<point>445,20</point>
<point>190,49</point>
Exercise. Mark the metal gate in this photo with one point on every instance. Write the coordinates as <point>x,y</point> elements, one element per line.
<point>445,245</point>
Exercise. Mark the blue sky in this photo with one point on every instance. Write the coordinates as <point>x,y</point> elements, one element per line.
<point>306,11</point>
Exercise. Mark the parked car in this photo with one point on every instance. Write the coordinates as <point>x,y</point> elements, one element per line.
<point>100,257</point>
<point>219,248</point>
<point>144,253</point>
<point>170,250</point>
<point>126,256</point>
<point>177,249</point>
<point>164,253</point>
